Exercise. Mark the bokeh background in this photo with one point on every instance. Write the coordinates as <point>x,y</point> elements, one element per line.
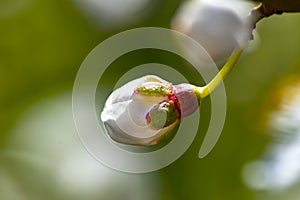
<point>42,44</point>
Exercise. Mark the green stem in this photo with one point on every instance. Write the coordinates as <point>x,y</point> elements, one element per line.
<point>204,91</point>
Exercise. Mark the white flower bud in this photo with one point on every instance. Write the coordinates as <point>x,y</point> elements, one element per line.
<point>146,111</point>
<point>218,25</point>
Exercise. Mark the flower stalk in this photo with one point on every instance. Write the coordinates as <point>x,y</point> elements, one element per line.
<point>202,92</point>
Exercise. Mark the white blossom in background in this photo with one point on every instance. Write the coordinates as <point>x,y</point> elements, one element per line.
<point>147,110</point>
<point>112,14</point>
<point>218,25</point>
<point>44,159</point>
<point>279,167</point>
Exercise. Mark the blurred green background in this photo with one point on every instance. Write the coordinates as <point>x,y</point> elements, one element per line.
<point>42,44</point>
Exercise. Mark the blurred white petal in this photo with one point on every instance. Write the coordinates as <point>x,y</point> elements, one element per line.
<point>47,161</point>
<point>279,168</point>
<point>113,13</point>
<point>218,25</point>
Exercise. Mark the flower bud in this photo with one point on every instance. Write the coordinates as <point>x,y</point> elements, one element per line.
<point>147,110</point>
<point>218,25</point>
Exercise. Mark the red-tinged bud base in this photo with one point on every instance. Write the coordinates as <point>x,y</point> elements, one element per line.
<point>186,98</point>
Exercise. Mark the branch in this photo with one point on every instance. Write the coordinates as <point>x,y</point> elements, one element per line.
<point>280,6</point>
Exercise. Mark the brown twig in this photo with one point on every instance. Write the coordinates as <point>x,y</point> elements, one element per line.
<point>258,13</point>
